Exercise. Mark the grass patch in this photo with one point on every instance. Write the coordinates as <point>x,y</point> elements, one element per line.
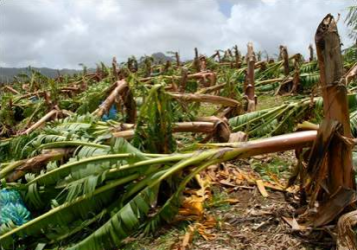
<point>163,242</point>
<point>219,199</point>
<point>265,102</point>
<point>273,167</point>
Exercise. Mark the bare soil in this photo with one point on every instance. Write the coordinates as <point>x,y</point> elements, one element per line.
<point>256,223</point>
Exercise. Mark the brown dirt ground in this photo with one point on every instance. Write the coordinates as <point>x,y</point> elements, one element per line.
<point>256,223</point>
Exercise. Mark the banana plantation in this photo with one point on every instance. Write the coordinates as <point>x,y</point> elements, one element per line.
<point>104,158</point>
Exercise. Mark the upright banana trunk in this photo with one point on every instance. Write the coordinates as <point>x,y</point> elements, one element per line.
<point>178,63</point>
<point>285,57</point>
<point>296,78</point>
<point>114,69</point>
<point>334,92</point>
<point>196,61</point>
<point>249,89</point>
<point>311,51</point>
<point>237,57</point>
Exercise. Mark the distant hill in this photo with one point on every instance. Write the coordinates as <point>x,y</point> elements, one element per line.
<point>161,57</point>
<point>7,74</point>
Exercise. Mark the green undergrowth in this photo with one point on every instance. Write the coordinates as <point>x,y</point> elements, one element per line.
<point>270,101</point>
<point>218,200</point>
<point>164,239</point>
<point>275,165</point>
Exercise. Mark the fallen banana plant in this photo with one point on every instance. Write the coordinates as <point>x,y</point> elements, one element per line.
<point>284,118</point>
<point>93,184</point>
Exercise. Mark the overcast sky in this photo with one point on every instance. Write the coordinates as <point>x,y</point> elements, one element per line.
<point>64,33</point>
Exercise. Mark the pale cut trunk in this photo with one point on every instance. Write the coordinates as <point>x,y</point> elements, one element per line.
<point>211,76</point>
<point>43,93</point>
<point>41,122</point>
<point>274,144</point>
<point>274,80</point>
<point>210,119</point>
<point>121,86</point>
<point>12,90</point>
<point>194,127</point>
<point>205,98</point>
<point>126,134</point>
<point>203,77</point>
<point>211,89</point>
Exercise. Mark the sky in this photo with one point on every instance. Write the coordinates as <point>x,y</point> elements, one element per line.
<point>66,33</point>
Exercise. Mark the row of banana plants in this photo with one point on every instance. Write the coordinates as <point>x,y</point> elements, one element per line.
<point>33,95</point>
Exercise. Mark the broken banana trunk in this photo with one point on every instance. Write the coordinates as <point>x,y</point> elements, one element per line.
<point>328,178</point>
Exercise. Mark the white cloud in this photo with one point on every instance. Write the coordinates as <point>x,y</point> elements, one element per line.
<point>288,22</point>
<point>64,33</point>
<point>269,1</point>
